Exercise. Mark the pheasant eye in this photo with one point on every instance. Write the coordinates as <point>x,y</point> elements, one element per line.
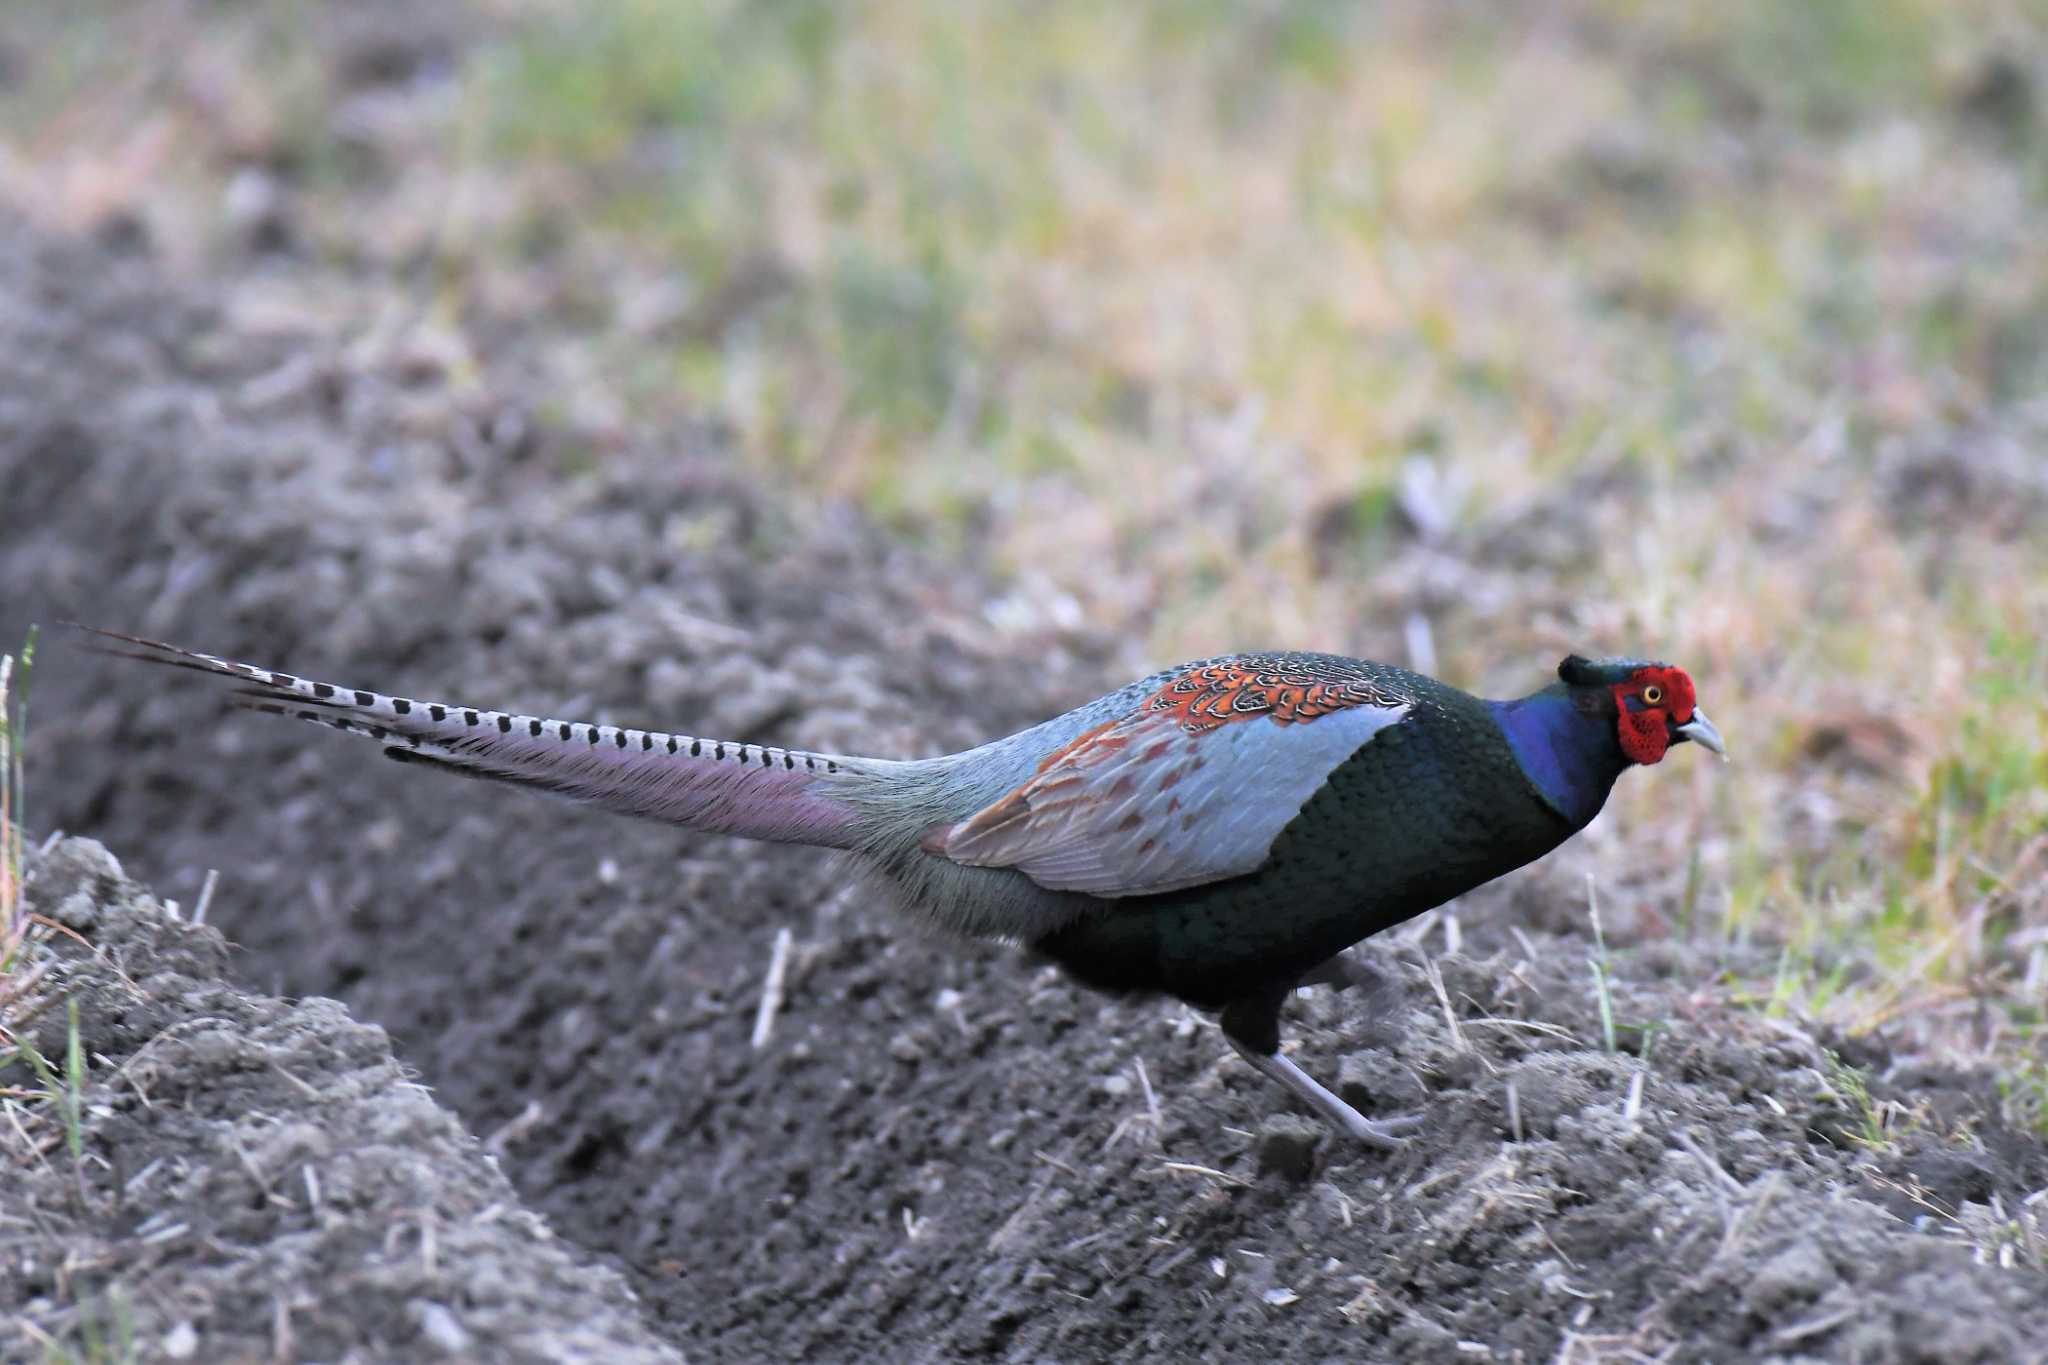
<point>1653,694</point>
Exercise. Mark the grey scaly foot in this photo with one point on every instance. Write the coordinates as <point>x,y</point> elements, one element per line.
<point>1386,1134</point>
<point>1252,1024</point>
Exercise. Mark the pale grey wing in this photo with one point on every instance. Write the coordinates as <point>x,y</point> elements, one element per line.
<point>1142,806</point>
<point>753,790</point>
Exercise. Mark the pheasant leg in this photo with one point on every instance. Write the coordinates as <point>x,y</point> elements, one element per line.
<point>1252,1024</point>
<point>1342,972</point>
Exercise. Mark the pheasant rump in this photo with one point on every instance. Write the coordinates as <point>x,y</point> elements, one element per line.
<point>1219,832</point>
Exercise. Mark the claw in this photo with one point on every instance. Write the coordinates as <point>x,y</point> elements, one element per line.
<point>1389,1135</point>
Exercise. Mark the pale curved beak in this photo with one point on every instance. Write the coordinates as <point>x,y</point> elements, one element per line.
<point>1701,731</point>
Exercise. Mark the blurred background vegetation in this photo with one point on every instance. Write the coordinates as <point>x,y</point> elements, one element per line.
<point>1454,335</point>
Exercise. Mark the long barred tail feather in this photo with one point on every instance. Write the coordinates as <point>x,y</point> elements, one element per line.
<point>752,790</point>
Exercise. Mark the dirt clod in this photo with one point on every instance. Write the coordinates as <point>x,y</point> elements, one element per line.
<point>1287,1145</point>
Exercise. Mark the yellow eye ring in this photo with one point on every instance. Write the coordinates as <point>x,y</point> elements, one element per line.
<point>1653,694</point>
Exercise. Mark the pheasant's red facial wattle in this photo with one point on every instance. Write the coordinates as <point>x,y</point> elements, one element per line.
<point>1651,702</point>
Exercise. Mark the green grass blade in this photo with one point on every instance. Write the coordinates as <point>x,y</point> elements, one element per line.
<point>18,738</point>
<point>74,1092</point>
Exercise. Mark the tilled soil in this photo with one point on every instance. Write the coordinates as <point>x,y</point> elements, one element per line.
<point>938,1151</point>
<point>261,1179</point>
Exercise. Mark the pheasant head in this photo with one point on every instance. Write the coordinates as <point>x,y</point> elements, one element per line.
<point>1653,705</point>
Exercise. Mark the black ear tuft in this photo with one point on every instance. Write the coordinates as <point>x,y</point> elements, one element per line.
<point>1580,671</point>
